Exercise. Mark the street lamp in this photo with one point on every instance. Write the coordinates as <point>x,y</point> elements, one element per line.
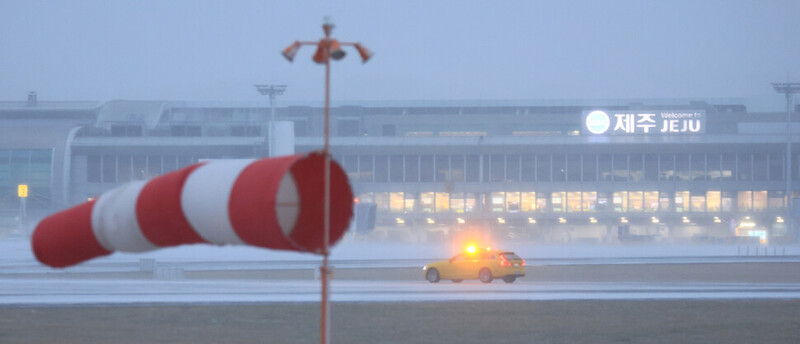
<point>788,89</point>
<point>271,91</point>
<point>327,48</point>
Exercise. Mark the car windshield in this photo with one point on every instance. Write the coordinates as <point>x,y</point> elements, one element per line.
<point>510,256</point>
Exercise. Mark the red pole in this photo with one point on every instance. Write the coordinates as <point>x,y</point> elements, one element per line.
<point>325,324</point>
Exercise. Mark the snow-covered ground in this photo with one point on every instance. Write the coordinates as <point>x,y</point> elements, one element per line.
<point>66,292</point>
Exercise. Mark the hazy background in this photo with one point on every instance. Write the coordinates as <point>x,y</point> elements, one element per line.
<point>216,50</point>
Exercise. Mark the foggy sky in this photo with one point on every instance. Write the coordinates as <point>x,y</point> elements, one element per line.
<point>484,50</point>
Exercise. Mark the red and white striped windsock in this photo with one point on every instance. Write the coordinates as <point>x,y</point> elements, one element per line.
<point>273,203</point>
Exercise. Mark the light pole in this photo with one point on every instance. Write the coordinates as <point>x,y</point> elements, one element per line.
<point>327,48</point>
<point>788,89</point>
<point>271,91</point>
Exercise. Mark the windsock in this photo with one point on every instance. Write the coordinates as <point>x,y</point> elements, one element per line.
<point>273,203</point>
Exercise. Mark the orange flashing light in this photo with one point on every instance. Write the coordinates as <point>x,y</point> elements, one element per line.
<point>471,249</point>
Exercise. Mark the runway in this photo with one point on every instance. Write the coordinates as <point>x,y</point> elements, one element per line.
<point>60,291</point>
<point>392,273</point>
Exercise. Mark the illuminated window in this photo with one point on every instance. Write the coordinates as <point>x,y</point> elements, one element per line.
<point>498,202</point>
<point>457,202</point>
<point>635,201</point>
<point>713,201</point>
<point>426,202</point>
<point>698,202</point>
<point>528,202</point>
<point>621,201</point>
<point>557,201</point>
<point>470,201</point>
<point>573,202</point>
<point>651,201</point>
<point>745,200</point>
<point>759,200</point>
<point>589,202</point>
<point>602,201</point>
<point>512,202</point>
<point>410,202</point>
<point>442,202</point>
<point>682,201</point>
<point>396,202</point>
<point>665,202</point>
<point>541,202</point>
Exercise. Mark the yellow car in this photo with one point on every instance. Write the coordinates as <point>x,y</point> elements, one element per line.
<point>485,265</point>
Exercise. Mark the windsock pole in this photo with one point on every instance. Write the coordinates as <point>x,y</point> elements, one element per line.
<point>327,48</point>
<point>326,315</point>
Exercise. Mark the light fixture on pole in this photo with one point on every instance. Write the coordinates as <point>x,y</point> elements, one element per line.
<point>327,49</point>
<point>271,91</point>
<point>789,89</point>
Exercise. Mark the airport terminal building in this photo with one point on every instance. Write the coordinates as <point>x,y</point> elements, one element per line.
<point>600,171</point>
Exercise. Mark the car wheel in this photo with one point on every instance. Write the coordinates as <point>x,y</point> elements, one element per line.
<point>509,279</point>
<point>485,275</point>
<point>432,275</point>
<point>457,281</point>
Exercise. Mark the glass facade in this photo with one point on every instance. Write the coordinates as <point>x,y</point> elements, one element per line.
<point>641,176</point>
<point>540,167</point>
<point>32,167</point>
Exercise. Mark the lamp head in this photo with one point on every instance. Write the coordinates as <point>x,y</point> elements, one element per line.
<point>291,51</point>
<point>327,25</point>
<point>364,52</point>
<point>336,50</point>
